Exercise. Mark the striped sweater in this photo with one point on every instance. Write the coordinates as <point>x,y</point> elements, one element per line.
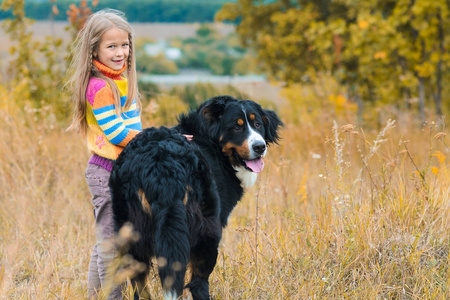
<point>108,133</point>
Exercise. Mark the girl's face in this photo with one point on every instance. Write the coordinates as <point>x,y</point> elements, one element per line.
<point>113,49</point>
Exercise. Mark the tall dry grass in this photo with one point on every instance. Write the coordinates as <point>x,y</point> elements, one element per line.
<point>339,212</point>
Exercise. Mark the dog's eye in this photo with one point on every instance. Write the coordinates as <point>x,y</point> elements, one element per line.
<point>237,128</point>
<point>257,124</point>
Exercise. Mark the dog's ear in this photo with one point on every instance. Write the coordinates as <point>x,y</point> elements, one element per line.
<point>272,125</point>
<point>212,110</point>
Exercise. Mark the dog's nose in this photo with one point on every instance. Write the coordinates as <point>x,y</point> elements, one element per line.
<point>259,147</point>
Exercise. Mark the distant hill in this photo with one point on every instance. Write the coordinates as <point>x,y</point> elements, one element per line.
<point>170,11</point>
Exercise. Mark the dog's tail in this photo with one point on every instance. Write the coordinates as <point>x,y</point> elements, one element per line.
<point>166,194</point>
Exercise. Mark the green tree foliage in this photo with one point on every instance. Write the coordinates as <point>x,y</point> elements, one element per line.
<point>179,11</point>
<point>207,50</point>
<point>154,65</point>
<point>380,50</point>
<point>35,70</point>
<point>210,51</point>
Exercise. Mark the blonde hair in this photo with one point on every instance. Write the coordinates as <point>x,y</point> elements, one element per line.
<point>82,66</point>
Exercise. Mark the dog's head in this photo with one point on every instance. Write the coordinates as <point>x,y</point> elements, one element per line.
<point>243,128</point>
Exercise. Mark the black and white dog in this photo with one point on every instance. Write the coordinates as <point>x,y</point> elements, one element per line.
<point>178,194</point>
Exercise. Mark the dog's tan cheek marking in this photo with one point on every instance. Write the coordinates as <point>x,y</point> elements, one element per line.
<point>145,205</point>
<point>227,149</point>
<point>242,150</point>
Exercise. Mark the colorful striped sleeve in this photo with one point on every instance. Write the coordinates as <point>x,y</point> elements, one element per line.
<point>101,98</point>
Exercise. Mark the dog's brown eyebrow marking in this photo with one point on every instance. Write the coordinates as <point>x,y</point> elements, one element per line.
<point>252,116</point>
<point>240,122</point>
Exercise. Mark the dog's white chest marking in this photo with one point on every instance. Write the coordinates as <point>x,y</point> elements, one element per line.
<point>247,178</point>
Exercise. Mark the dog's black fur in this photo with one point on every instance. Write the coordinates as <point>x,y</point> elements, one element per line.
<point>178,194</point>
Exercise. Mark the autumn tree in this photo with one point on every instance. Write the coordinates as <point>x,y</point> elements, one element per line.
<point>34,71</point>
<point>419,44</point>
<point>379,50</point>
<point>77,16</point>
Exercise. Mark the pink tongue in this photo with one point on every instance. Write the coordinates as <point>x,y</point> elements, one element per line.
<point>256,165</point>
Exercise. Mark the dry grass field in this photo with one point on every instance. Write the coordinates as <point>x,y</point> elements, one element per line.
<point>339,212</point>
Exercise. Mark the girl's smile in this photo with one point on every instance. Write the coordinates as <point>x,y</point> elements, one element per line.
<point>113,49</point>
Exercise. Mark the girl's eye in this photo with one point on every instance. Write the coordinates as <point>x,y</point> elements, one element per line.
<point>125,45</point>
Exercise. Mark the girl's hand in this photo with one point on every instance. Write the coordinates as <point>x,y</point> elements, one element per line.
<point>188,136</point>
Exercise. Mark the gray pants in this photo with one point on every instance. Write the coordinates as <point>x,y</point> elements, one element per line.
<point>103,252</point>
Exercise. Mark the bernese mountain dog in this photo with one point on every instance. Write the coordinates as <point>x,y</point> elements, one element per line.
<point>178,194</point>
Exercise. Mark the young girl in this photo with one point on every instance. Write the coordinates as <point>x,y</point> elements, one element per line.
<point>106,111</point>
